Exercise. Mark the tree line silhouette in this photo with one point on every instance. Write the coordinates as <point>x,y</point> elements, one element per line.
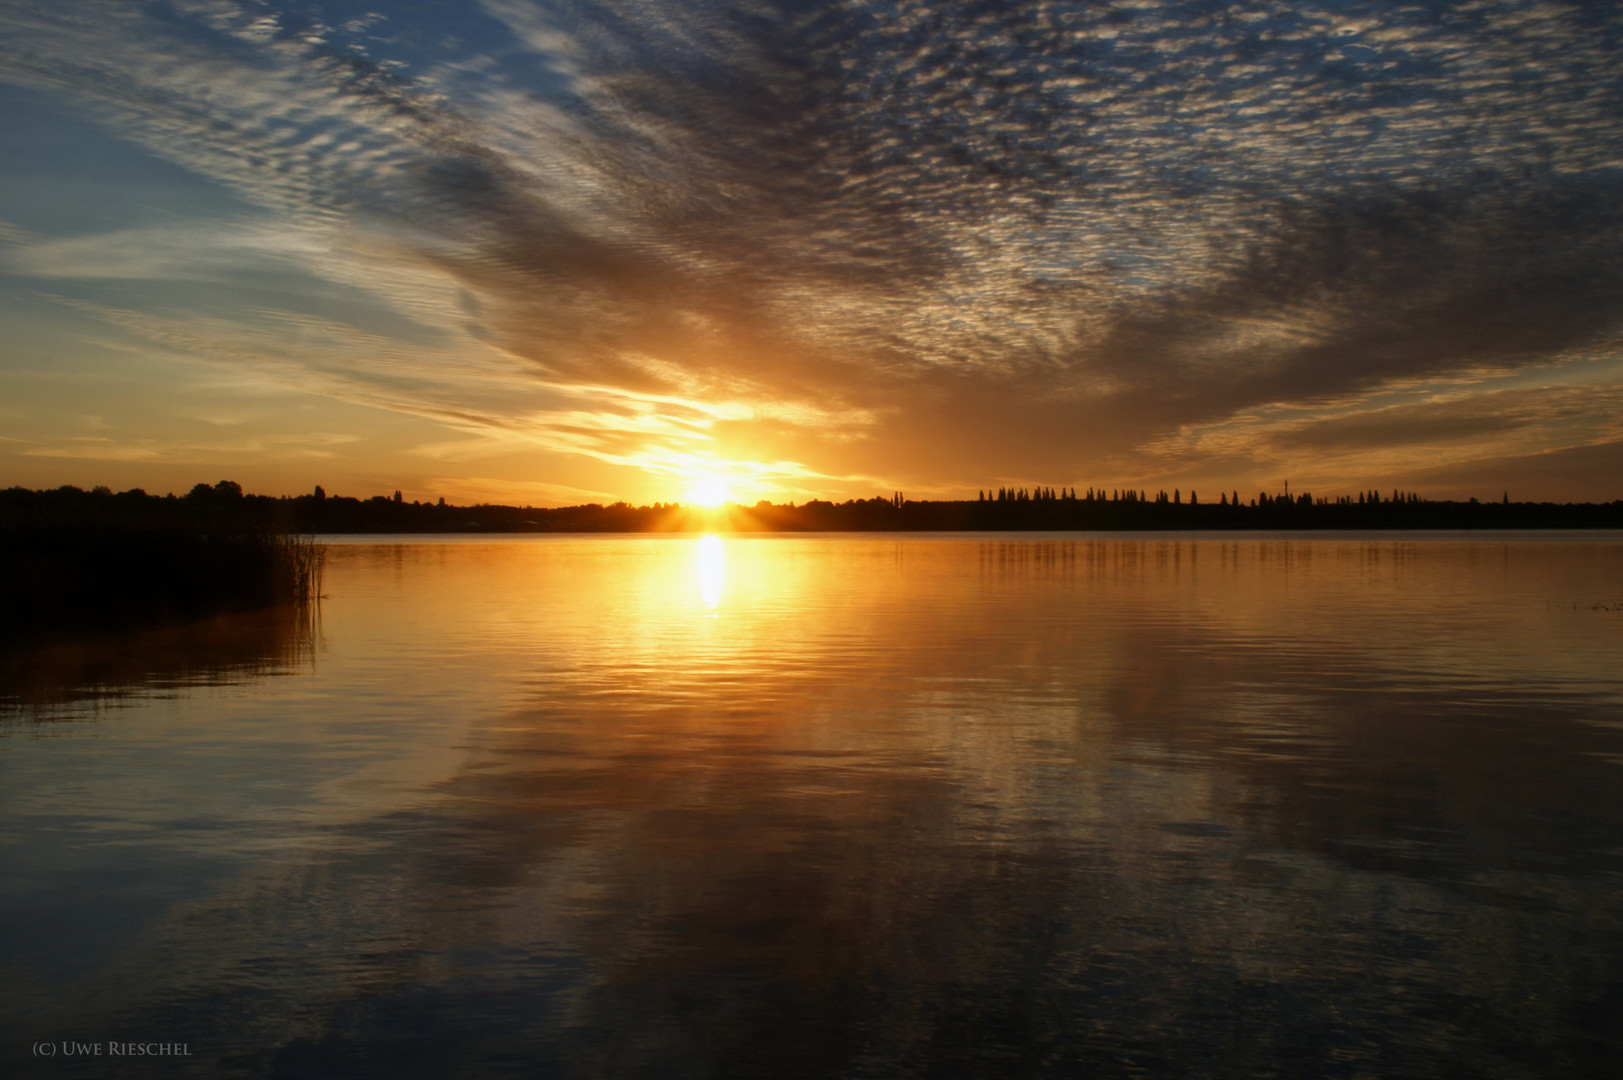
<point>224,509</point>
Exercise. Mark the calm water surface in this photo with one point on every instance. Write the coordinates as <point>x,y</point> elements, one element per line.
<point>975,806</point>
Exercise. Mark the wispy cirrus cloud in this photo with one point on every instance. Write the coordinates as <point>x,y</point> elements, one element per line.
<point>892,241</point>
<point>103,448</point>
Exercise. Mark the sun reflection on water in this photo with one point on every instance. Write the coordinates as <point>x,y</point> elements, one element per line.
<point>712,568</point>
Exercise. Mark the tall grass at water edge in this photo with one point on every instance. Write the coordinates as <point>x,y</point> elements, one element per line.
<point>301,562</point>
<point>72,579</point>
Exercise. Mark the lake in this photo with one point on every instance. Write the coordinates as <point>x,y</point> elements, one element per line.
<point>955,805</point>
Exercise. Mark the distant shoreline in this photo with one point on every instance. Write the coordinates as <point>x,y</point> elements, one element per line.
<point>224,508</point>
<point>1034,535</point>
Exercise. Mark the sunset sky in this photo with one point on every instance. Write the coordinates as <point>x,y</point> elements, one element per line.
<point>565,252</point>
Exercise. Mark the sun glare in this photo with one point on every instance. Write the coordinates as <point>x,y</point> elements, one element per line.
<point>709,492</point>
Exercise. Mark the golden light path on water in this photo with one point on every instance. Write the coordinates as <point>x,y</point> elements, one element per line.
<point>712,568</point>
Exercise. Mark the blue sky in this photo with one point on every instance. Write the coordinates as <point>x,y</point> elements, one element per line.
<point>565,252</point>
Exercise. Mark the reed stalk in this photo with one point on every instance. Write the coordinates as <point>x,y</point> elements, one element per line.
<point>299,564</point>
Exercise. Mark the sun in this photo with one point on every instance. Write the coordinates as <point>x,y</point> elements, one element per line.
<point>709,491</point>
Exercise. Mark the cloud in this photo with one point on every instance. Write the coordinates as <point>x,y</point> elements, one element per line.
<point>483,489</point>
<point>190,252</point>
<point>179,451</point>
<point>1475,418</point>
<point>887,240</point>
<point>1570,474</point>
<point>100,450</point>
